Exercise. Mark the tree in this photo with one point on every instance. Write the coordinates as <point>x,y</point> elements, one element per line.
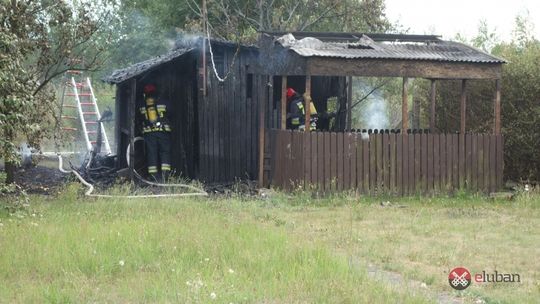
<point>40,40</point>
<point>485,39</point>
<point>520,100</point>
<point>239,20</point>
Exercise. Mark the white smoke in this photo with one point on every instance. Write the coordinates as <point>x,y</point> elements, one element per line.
<point>373,111</point>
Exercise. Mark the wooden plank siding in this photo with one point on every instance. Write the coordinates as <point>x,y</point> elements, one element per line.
<point>227,124</point>
<point>396,164</point>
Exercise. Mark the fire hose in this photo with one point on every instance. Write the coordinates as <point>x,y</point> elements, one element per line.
<point>198,191</point>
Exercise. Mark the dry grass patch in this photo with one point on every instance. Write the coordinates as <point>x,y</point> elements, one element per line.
<point>424,238</point>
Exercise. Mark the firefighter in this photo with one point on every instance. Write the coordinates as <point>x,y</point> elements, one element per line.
<point>296,112</point>
<point>156,133</point>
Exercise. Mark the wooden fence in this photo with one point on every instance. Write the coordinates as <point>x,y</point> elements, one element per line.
<point>399,164</point>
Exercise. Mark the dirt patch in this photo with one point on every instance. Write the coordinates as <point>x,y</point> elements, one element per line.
<point>40,179</point>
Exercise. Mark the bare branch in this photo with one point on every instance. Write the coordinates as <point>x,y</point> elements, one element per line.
<point>224,11</point>
<point>321,16</point>
<point>367,95</point>
<point>196,9</point>
<point>269,9</point>
<point>253,21</point>
<point>291,14</point>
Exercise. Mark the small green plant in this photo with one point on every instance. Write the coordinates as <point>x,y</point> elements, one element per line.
<point>14,200</point>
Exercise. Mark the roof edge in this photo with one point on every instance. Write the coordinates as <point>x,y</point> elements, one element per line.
<point>134,70</point>
<point>356,35</point>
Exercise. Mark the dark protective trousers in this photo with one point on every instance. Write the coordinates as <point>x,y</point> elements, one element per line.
<point>158,152</point>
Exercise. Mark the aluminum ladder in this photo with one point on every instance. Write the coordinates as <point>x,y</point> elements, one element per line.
<point>87,112</point>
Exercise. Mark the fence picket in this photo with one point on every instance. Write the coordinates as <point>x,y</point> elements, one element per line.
<point>383,163</point>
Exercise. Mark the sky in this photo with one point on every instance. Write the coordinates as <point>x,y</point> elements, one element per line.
<point>449,17</point>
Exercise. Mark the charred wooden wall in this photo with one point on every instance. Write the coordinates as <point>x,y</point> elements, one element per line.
<point>176,83</point>
<point>123,123</point>
<point>228,117</point>
<point>215,134</point>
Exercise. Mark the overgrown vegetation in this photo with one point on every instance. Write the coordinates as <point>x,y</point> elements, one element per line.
<point>520,101</point>
<point>239,20</point>
<point>40,40</point>
<point>422,239</point>
<point>285,248</point>
<point>188,251</point>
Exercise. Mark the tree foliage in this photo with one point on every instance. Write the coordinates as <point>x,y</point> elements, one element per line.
<point>241,19</point>
<point>521,110</point>
<point>40,40</point>
<point>520,100</point>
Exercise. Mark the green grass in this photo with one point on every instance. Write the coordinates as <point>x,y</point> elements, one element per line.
<point>70,249</point>
<point>424,238</point>
<point>283,249</point>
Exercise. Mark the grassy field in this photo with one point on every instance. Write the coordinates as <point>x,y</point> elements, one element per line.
<point>283,249</point>
<point>424,238</point>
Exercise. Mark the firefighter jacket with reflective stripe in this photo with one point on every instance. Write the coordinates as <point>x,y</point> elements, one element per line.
<point>296,117</point>
<point>154,117</point>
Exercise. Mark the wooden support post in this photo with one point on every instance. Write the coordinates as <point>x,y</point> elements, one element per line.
<point>203,50</point>
<point>131,111</point>
<point>463,105</point>
<point>349,103</point>
<point>432,111</point>
<point>283,102</point>
<point>117,126</point>
<point>262,105</point>
<point>405,106</point>
<point>497,107</point>
<point>307,106</point>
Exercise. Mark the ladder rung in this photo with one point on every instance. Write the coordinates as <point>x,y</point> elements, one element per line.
<point>87,103</point>
<point>69,129</point>
<point>80,94</point>
<point>69,117</point>
<point>90,122</point>
<point>77,84</point>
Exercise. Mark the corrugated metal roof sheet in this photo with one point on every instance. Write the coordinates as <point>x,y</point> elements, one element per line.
<point>445,51</point>
<point>141,67</point>
<point>341,36</point>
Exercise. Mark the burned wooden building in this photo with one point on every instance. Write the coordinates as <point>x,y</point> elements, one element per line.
<point>214,123</point>
<point>235,129</point>
<point>401,162</point>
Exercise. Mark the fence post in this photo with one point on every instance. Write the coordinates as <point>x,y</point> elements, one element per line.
<point>405,106</point>
<point>283,102</point>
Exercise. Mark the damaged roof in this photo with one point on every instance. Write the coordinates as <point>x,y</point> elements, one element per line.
<point>380,46</point>
<point>183,45</point>
<point>141,67</point>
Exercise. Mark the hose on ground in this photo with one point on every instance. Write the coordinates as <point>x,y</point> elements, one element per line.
<point>198,191</point>
<point>136,139</point>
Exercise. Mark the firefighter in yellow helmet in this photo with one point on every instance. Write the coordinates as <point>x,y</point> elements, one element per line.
<point>157,134</point>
